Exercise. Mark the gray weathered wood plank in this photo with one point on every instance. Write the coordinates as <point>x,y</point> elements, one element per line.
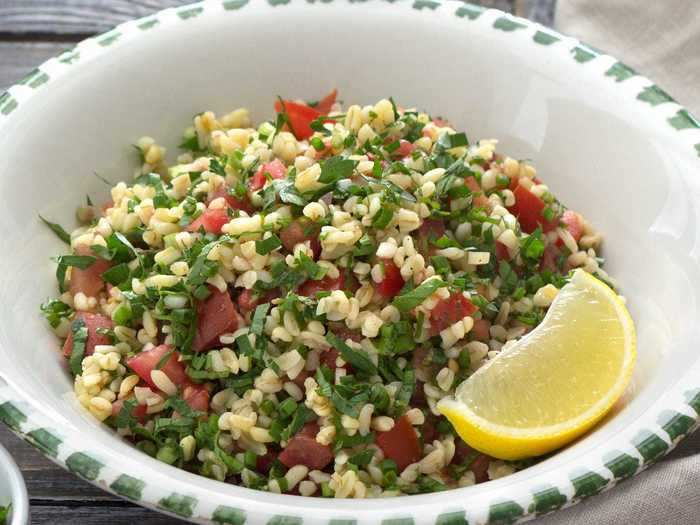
<point>83,17</point>
<point>18,58</point>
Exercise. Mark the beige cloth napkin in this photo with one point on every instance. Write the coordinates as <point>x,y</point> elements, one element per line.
<point>661,39</point>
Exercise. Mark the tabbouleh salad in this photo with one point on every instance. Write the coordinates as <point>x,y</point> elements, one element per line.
<point>283,308</point>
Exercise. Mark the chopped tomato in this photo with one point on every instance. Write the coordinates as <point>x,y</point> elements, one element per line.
<point>216,315</point>
<point>342,332</point>
<point>502,253</point>
<point>480,331</point>
<point>144,363</point>
<point>92,323</point>
<point>430,231</point>
<point>299,231</point>
<point>480,200</point>
<point>400,443</point>
<point>549,258</point>
<point>428,430</point>
<point>264,463</point>
<point>404,150</point>
<point>572,222</point>
<point>212,220</point>
<point>392,282</point>
<point>236,203</point>
<point>300,117</point>
<point>105,206</point>
<point>300,378</point>
<point>441,122</point>
<point>248,300</point>
<point>326,103</point>
<point>448,311</point>
<point>303,449</point>
<point>311,288</point>
<point>479,465</point>
<point>139,411</point>
<point>197,397</point>
<point>329,357</point>
<point>276,169</point>
<point>529,208</point>
<point>89,280</point>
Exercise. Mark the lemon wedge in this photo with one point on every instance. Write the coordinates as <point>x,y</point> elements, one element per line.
<point>553,384</point>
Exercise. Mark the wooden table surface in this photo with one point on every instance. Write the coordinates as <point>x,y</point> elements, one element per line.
<point>32,31</point>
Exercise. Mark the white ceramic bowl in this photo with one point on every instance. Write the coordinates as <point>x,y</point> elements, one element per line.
<point>608,142</point>
<point>12,490</point>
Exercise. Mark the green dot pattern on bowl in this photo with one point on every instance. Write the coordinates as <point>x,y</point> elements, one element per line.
<point>285,520</point>
<point>547,500</point>
<point>128,487</point>
<point>505,513</point>
<point>650,446</point>
<point>622,465</point>
<point>45,441</point>
<point>224,515</point>
<point>588,484</point>
<point>12,416</point>
<point>84,466</point>
<point>457,517</point>
<point>178,504</point>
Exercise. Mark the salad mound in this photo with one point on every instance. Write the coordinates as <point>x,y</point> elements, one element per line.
<point>284,307</point>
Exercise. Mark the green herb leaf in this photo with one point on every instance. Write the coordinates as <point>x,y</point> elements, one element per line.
<point>55,310</point>
<point>357,359</point>
<point>336,168</point>
<point>80,335</point>
<point>413,298</point>
<point>58,230</point>
<point>265,246</point>
<point>258,321</point>
<point>117,274</point>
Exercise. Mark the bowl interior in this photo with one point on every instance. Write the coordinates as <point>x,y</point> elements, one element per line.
<point>595,147</point>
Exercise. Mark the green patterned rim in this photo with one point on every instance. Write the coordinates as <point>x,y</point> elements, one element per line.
<point>657,432</point>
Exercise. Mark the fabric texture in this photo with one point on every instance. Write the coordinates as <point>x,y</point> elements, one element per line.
<point>661,39</point>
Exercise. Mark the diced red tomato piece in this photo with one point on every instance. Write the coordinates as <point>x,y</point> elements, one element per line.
<point>326,103</point>
<point>145,362</point>
<point>236,203</point>
<point>480,200</point>
<point>400,443</point>
<point>549,258</point>
<point>441,122</point>
<point>139,411</point>
<point>216,315</point>
<point>212,220</point>
<point>428,430</point>
<point>430,231</point>
<point>404,150</point>
<point>105,206</point>
<point>502,251</point>
<point>392,282</point>
<point>299,231</point>
<point>92,323</point>
<point>572,222</point>
<point>342,332</point>
<point>89,280</point>
<point>419,399</point>
<point>300,378</point>
<point>249,300</point>
<point>448,311</point>
<point>303,449</point>
<point>197,397</point>
<point>264,463</point>
<point>479,465</point>
<point>311,288</point>
<point>328,357</point>
<point>528,209</point>
<point>300,117</point>
<point>276,169</point>
<point>481,328</point>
